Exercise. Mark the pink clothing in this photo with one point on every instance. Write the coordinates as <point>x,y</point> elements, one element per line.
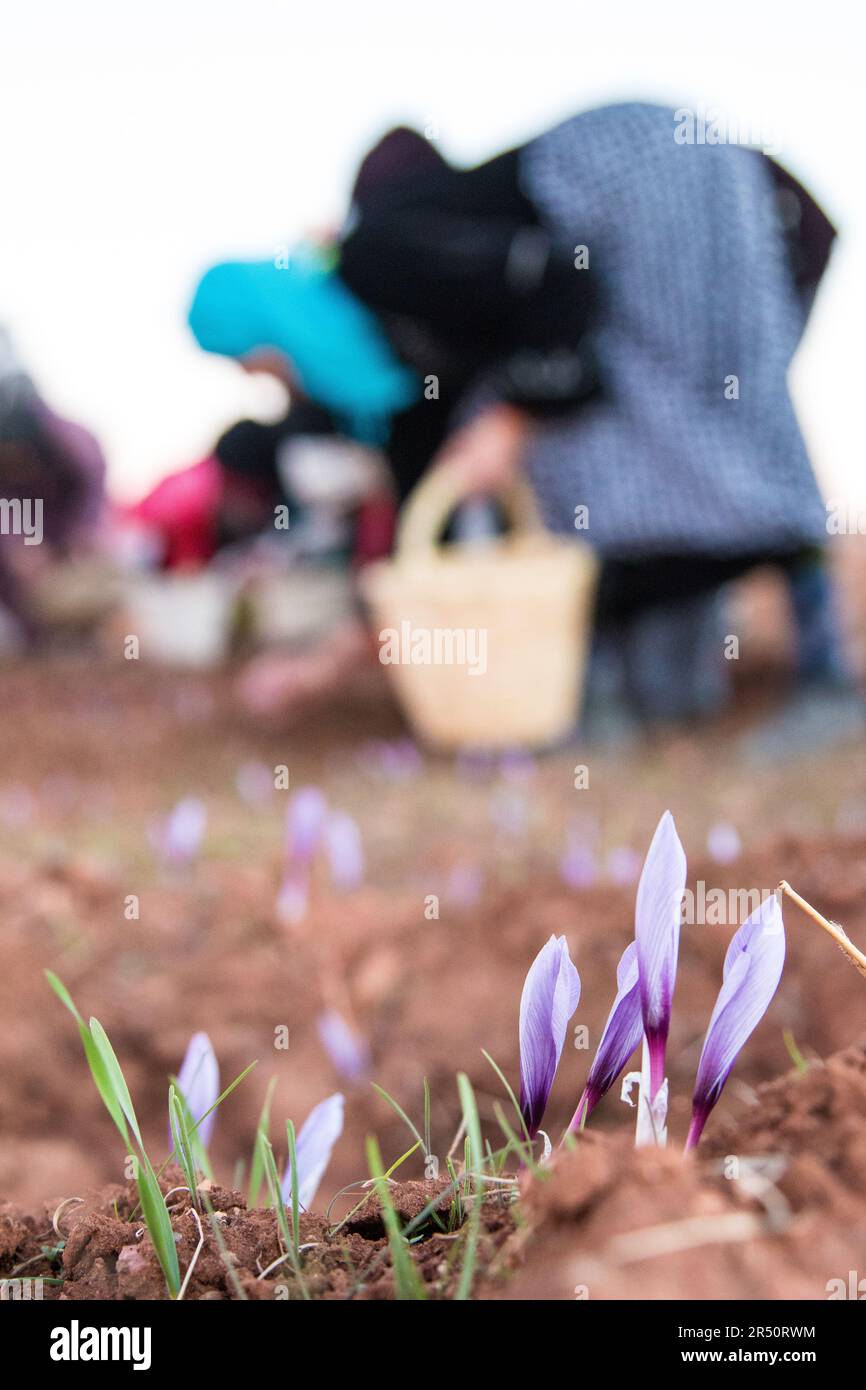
<point>183,509</point>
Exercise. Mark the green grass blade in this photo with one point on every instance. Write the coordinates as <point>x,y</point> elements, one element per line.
<point>94,1061</point>
<point>427,1129</point>
<point>398,1162</point>
<point>794,1052</point>
<point>158,1222</point>
<point>263,1127</point>
<point>395,1105</point>
<point>225,1094</point>
<point>511,1096</point>
<point>408,1284</point>
<point>197,1149</point>
<point>524,1151</point>
<point>63,994</point>
<point>293,1162</point>
<point>115,1077</point>
<point>272,1182</point>
<point>178,1114</point>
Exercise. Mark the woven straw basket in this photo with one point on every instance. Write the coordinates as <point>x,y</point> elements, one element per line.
<point>485,645</point>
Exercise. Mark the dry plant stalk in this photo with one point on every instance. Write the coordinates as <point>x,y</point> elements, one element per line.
<point>855,956</point>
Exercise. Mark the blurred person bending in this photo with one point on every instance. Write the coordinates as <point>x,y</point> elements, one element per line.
<point>49,463</point>
<point>615,313</point>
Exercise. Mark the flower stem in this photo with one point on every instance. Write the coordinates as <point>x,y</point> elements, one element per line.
<point>696,1129</point>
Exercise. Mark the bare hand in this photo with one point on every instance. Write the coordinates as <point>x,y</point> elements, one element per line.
<point>484,456</point>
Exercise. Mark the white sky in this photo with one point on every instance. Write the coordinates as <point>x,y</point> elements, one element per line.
<point>140,142</point>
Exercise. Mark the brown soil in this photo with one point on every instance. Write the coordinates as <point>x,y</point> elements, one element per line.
<point>107,1253</point>
<point>616,1222</point>
<point>92,752</point>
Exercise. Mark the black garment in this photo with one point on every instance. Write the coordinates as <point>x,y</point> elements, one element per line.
<point>249,448</point>
<point>629,587</point>
<point>469,281</point>
<point>466,281</point>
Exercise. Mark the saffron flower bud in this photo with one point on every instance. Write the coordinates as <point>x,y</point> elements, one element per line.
<point>658,912</point>
<point>345,852</point>
<point>199,1083</point>
<point>751,974</point>
<point>305,824</point>
<point>316,1139</point>
<point>622,1034</point>
<point>550,996</point>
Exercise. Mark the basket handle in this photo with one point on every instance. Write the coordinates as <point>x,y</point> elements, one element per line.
<point>436,496</point>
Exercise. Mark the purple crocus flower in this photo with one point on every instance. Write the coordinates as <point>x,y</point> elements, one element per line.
<point>723,842</point>
<point>577,865</point>
<point>345,852</point>
<point>623,865</point>
<point>293,898</point>
<point>658,912</point>
<point>305,824</point>
<point>199,1083</point>
<point>349,1053</point>
<point>315,1142</point>
<point>622,1034</point>
<point>179,837</point>
<point>752,969</point>
<point>465,885</point>
<point>550,996</point>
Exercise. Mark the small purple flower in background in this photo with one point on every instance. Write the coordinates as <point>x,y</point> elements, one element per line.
<point>517,765</point>
<point>623,865</point>
<point>658,913</point>
<point>621,1036</point>
<point>723,843</point>
<point>464,885</point>
<point>313,1147</point>
<point>395,760</point>
<point>348,1051</point>
<point>752,970</point>
<point>254,782</point>
<point>550,996</point>
<point>179,837</point>
<point>293,899</point>
<point>577,864</point>
<point>400,760</point>
<point>345,851</point>
<point>305,824</point>
<point>199,1083</point>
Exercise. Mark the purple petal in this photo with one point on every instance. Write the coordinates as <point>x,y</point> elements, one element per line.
<point>723,843</point>
<point>465,885</point>
<point>349,1053</point>
<point>305,823</point>
<point>550,996</point>
<point>181,834</point>
<point>657,932</point>
<point>293,898</point>
<point>199,1082</point>
<point>316,1139</point>
<point>623,865</point>
<point>752,970</point>
<point>577,865</point>
<point>621,1036</point>
<point>345,852</point>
